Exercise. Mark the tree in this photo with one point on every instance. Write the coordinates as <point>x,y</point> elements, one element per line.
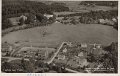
<point>39,16</point>
<point>21,21</point>
<point>91,57</point>
<point>27,66</point>
<point>112,56</point>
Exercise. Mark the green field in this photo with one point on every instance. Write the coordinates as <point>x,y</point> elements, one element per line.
<point>57,33</point>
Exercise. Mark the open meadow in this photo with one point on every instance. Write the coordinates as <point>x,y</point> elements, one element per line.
<point>57,33</point>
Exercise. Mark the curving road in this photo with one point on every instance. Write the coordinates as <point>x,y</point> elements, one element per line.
<point>56,53</point>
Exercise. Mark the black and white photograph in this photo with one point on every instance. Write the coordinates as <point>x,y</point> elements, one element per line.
<point>48,36</point>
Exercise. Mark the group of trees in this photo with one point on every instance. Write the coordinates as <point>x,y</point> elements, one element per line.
<point>100,3</point>
<point>111,59</point>
<point>93,17</point>
<point>59,7</point>
<point>16,8</point>
<point>108,60</point>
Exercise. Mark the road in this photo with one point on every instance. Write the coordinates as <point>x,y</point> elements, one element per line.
<point>13,58</point>
<point>56,53</point>
<point>16,50</point>
<point>70,70</point>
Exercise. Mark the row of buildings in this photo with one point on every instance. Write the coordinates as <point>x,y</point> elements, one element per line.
<point>19,51</point>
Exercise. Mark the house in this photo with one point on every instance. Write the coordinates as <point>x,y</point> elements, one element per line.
<point>98,46</point>
<point>83,45</point>
<point>69,44</point>
<point>80,54</point>
<point>48,15</point>
<point>16,20</point>
<point>102,21</point>
<point>36,52</point>
<point>24,17</point>
<point>61,57</point>
<point>114,19</point>
<point>64,50</point>
<point>109,22</point>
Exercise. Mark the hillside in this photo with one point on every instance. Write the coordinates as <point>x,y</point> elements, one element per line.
<point>57,32</point>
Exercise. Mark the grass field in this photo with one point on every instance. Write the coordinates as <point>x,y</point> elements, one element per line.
<point>57,32</point>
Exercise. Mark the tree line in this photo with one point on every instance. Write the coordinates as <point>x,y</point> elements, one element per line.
<point>93,17</point>
<point>101,3</point>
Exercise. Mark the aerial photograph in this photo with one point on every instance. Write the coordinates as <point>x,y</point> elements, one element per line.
<point>48,36</point>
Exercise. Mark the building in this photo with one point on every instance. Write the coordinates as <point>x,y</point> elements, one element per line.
<point>24,17</point>
<point>16,20</point>
<point>80,54</point>
<point>69,44</point>
<point>35,52</point>
<point>102,21</point>
<point>61,57</point>
<point>83,45</point>
<point>48,16</point>
<point>109,22</point>
<point>114,19</point>
<point>64,50</point>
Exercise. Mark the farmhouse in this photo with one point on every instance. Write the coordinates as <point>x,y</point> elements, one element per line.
<point>16,20</point>
<point>48,15</point>
<point>61,57</point>
<point>69,44</point>
<point>102,21</point>
<point>65,50</point>
<point>83,45</point>
<point>24,17</point>
<point>114,19</point>
<point>41,53</point>
<point>80,54</point>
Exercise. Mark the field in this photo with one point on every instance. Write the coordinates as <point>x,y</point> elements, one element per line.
<point>57,33</point>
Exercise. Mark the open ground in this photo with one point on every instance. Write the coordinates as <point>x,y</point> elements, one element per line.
<point>57,33</point>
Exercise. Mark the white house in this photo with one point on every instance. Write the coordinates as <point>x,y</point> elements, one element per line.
<point>80,54</point>
<point>83,45</point>
<point>48,15</point>
<point>61,57</point>
<point>114,19</point>
<point>24,17</point>
<point>69,44</point>
<point>98,46</point>
<point>102,21</point>
<point>65,50</point>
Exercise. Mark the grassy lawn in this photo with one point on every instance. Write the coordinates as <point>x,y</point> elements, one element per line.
<point>57,33</point>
